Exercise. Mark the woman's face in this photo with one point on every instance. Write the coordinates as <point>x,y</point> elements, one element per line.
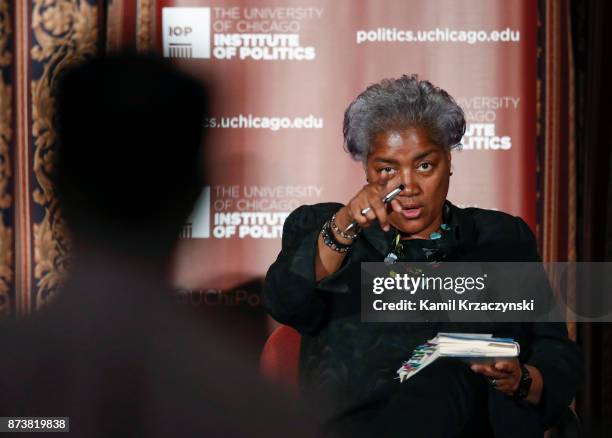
<point>408,157</point>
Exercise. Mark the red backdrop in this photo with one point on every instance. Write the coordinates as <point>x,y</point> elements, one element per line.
<point>284,71</point>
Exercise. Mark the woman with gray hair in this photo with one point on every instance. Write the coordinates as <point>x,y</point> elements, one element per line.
<point>404,130</point>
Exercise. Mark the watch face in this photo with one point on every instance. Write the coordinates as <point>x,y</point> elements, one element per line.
<point>526,375</point>
<point>525,383</point>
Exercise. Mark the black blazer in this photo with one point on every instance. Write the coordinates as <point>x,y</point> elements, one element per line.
<point>353,361</point>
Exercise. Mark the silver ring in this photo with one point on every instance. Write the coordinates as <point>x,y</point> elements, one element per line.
<point>493,382</point>
<point>365,211</point>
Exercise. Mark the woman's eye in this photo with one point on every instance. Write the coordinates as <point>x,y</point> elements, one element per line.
<point>386,171</point>
<point>425,166</point>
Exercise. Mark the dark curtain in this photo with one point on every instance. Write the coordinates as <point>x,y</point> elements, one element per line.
<point>592,46</point>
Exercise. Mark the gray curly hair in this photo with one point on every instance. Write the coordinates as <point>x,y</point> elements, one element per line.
<point>399,104</point>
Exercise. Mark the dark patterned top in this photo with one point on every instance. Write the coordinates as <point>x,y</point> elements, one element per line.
<point>355,363</point>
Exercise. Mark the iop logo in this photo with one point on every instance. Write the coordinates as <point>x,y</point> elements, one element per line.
<point>186,32</point>
<point>198,224</point>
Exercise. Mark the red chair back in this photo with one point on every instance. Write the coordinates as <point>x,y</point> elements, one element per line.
<point>280,358</point>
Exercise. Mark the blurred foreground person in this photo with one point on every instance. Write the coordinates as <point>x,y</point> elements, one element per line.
<point>114,351</point>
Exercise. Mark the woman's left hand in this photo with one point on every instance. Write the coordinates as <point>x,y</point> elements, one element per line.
<point>505,375</point>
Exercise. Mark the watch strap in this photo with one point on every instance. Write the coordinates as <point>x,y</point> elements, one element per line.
<point>524,385</point>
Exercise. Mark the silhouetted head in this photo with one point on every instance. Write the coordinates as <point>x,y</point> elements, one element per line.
<point>128,166</point>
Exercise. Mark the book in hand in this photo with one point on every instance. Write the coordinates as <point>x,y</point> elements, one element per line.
<point>471,347</point>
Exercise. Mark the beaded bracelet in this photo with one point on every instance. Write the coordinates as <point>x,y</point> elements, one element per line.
<point>330,241</point>
<point>341,233</point>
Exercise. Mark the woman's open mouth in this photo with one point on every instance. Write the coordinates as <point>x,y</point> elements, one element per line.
<point>412,212</point>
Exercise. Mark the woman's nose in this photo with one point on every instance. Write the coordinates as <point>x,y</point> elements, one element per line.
<point>411,186</point>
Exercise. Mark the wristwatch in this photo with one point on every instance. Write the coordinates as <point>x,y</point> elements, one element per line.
<point>524,385</point>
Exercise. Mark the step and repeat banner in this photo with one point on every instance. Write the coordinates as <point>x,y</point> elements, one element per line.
<point>283,73</point>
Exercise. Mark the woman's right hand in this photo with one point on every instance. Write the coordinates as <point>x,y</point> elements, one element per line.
<point>329,261</point>
<point>371,195</point>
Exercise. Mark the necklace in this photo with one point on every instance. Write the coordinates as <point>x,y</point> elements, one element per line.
<point>431,254</point>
